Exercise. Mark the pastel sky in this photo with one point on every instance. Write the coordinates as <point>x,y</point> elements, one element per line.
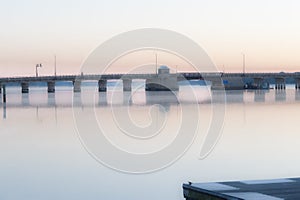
<point>32,31</point>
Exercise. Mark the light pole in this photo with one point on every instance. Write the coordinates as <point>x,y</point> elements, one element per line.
<point>244,63</point>
<point>54,64</point>
<point>156,62</point>
<point>36,69</point>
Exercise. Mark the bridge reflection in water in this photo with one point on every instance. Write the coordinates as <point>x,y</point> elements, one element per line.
<point>68,99</point>
<point>260,95</point>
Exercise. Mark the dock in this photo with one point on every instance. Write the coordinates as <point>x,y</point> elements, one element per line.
<point>273,189</point>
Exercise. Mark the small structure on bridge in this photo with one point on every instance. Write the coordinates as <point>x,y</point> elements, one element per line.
<point>163,70</point>
<point>164,81</point>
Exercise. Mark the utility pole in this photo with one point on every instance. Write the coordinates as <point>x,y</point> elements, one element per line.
<point>244,63</point>
<point>54,64</point>
<point>156,62</point>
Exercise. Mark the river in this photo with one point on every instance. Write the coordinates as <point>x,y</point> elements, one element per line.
<point>52,145</point>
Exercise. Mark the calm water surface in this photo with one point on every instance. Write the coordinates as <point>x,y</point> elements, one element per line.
<point>42,156</point>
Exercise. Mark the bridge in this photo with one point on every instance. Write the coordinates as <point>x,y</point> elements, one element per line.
<point>169,81</point>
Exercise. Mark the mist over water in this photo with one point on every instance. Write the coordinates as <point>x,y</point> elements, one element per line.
<point>42,156</point>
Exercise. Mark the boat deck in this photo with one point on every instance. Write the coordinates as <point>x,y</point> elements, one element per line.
<point>274,189</point>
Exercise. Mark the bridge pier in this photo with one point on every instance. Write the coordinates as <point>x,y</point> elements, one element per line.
<point>25,87</point>
<point>0,87</point>
<point>297,83</point>
<point>127,84</point>
<point>51,86</point>
<point>102,85</point>
<point>77,86</point>
<point>280,83</point>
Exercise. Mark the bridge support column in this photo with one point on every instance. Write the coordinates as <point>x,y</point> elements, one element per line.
<point>280,84</point>
<point>297,83</point>
<point>77,86</point>
<point>51,86</point>
<point>102,85</point>
<point>0,87</point>
<point>127,84</point>
<point>25,87</point>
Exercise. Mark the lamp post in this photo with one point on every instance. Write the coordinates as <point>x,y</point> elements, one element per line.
<point>156,62</point>
<point>55,65</point>
<point>36,69</point>
<point>244,63</point>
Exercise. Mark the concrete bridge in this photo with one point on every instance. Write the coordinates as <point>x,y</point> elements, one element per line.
<point>218,80</point>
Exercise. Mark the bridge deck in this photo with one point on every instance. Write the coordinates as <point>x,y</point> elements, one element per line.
<point>181,76</point>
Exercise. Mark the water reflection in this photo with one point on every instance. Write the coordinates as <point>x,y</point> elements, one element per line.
<point>137,98</point>
<point>51,100</point>
<point>217,96</point>
<point>25,99</point>
<point>163,98</point>
<point>235,96</point>
<point>77,100</point>
<point>37,113</point>
<point>260,95</point>
<point>297,95</point>
<point>4,110</point>
<point>52,103</point>
<point>252,134</point>
<point>280,95</point>
<point>102,99</point>
<point>127,98</point>
<point>146,98</point>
